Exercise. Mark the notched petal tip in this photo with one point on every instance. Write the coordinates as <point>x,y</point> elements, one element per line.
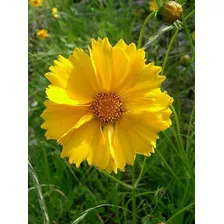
<point>63,154</point>
<point>43,125</point>
<point>76,53</point>
<point>70,160</point>
<point>95,42</point>
<point>77,165</point>
<point>121,43</point>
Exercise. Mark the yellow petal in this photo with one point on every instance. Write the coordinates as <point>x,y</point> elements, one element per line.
<point>79,142</point>
<point>153,101</point>
<point>74,78</point>
<point>152,121</point>
<point>100,154</point>
<point>62,96</point>
<point>136,58</point>
<point>123,149</point>
<point>59,119</point>
<point>120,67</point>
<point>83,120</point>
<point>83,77</point>
<point>118,159</point>
<point>146,80</point>
<point>101,56</point>
<point>121,44</point>
<point>89,138</point>
<point>140,135</point>
<point>148,72</point>
<point>111,167</point>
<point>79,154</point>
<point>60,72</point>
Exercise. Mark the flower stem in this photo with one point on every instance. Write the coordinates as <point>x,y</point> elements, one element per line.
<point>177,126</point>
<point>189,38</point>
<point>168,49</point>
<point>143,28</point>
<point>133,196</point>
<point>141,173</point>
<point>189,128</point>
<point>189,15</point>
<point>116,180</point>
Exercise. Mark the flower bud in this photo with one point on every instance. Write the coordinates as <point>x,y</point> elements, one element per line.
<point>185,60</point>
<point>170,12</point>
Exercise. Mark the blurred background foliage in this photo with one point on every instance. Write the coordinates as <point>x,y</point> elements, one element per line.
<point>166,191</point>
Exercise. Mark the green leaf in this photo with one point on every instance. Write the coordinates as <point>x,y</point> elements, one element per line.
<point>157,35</point>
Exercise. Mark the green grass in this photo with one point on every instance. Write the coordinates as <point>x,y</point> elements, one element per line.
<point>64,194</point>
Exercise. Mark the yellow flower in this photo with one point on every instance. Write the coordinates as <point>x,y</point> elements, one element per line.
<point>107,107</point>
<point>42,34</point>
<point>55,13</point>
<point>36,3</point>
<point>153,5</point>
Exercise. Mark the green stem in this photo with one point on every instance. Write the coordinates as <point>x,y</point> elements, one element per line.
<point>189,38</point>
<point>133,196</point>
<point>116,180</point>
<point>169,168</point>
<point>189,129</point>
<point>180,138</point>
<point>178,126</point>
<point>169,49</point>
<point>138,195</point>
<point>141,173</point>
<point>143,28</point>
<point>171,143</point>
<point>189,15</point>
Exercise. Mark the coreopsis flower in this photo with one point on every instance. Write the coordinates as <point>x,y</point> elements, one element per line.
<point>55,13</point>
<point>170,11</point>
<point>42,34</point>
<point>36,3</point>
<point>107,106</point>
<point>153,5</point>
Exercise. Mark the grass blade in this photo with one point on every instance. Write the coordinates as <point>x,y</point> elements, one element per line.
<point>39,193</point>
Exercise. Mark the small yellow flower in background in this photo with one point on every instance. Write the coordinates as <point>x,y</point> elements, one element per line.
<point>55,13</point>
<point>107,107</point>
<point>42,34</point>
<point>193,35</point>
<point>170,12</point>
<point>153,5</point>
<point>36,3</point>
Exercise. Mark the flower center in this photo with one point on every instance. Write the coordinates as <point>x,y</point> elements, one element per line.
<point>107,107</point>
